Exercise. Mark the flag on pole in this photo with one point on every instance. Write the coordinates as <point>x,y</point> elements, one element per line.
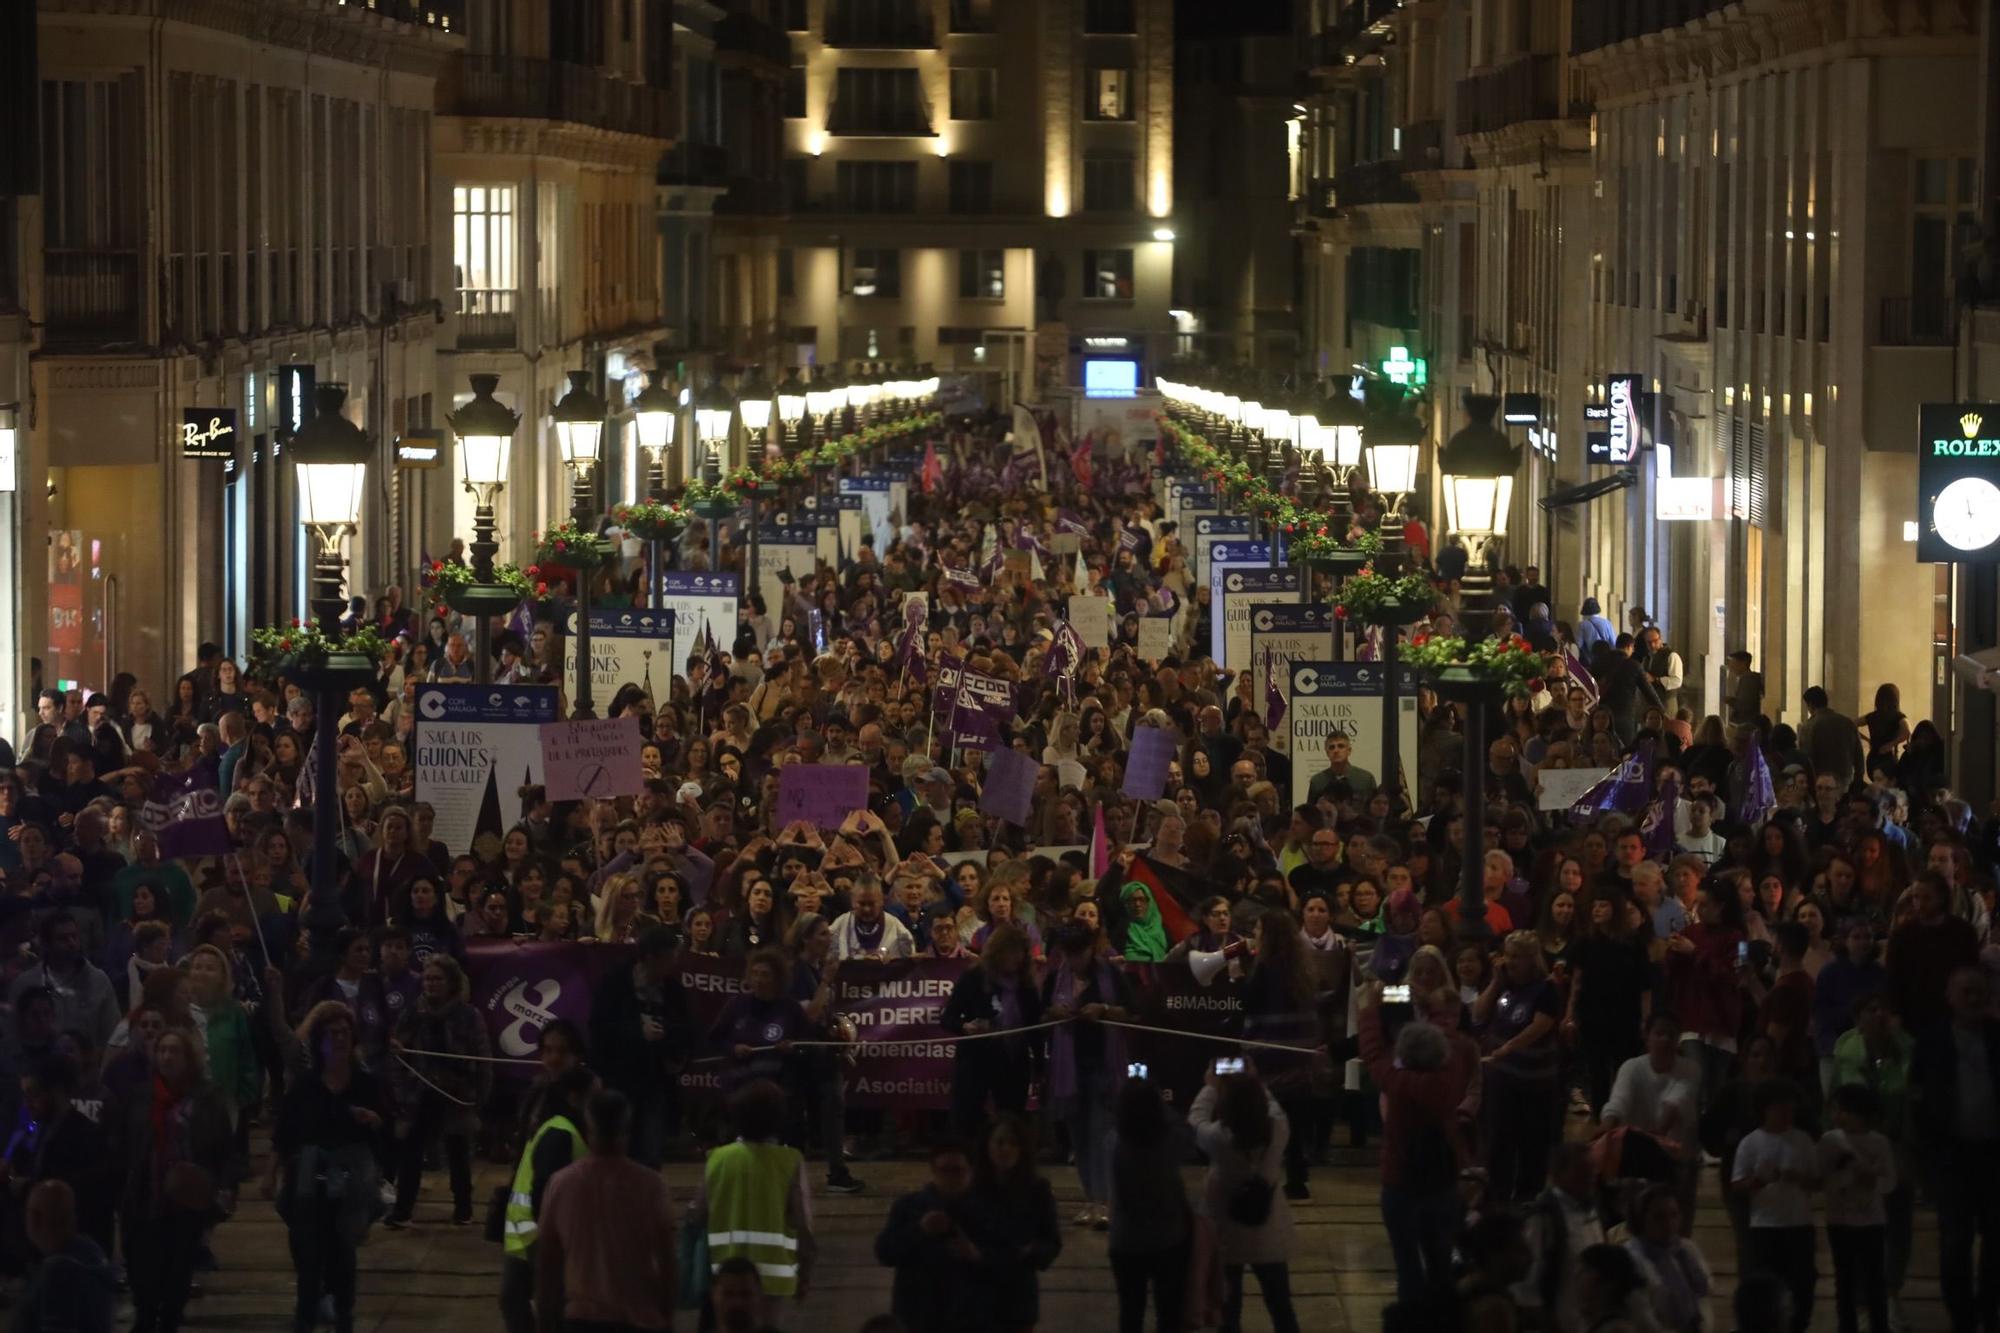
<point>1658,828</point>
<point>1625,790</point>
<point>1759,799</point>
<point>932,474</point>
<point>1100,846</point>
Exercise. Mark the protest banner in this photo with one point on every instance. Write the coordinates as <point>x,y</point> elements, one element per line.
<point>1156,637</point>
<point>1346,697</point>
<point>627,647</point>
<point>519,989</point>
<point>1562,788</point>
<point>701,604</point>
<point>473,748</point>
<point>1207,532</point>
<point>1093,616</point>
<point>592,758</point>
<point>821,794</point>
<point>1235,591</point>
<point>1146,766</point>
<point>1282,633</point>
<point>1009,790</point>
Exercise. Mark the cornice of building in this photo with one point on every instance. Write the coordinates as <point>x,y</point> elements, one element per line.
<point>519,136</point>
<point>320,28</point>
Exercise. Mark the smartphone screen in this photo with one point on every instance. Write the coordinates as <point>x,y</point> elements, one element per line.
<point>1396,994</point>
<point>1229,1064</point>
<point>1135,1070</point>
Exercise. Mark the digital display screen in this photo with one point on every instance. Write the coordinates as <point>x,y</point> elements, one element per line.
<point>1110,377</point>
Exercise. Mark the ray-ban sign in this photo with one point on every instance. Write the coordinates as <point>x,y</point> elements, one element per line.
<point>208,432</point>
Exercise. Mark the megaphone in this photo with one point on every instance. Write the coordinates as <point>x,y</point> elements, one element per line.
<point>1207,966</point>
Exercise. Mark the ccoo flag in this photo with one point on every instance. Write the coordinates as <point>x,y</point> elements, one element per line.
<point>1625,790</point>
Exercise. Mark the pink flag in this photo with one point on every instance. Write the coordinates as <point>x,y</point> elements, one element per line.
<point>1100,846</point>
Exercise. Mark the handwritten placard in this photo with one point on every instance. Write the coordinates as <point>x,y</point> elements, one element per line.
<point>594,758</point>
<point>1156,637</point>
<point>821,794</point>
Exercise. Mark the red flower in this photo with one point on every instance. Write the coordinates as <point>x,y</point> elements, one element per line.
<point>295,622</point>
<point>1535,685</point>
<point>562,546</point>
<point>541,590</point>
<point>1419,640</point>
<point>285,645</point>
<point>534,570</point>
<point>1322,530</point>
<point>1340,612</point>
<point>436,565</point>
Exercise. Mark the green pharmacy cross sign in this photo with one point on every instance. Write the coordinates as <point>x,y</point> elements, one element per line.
<point>1399,367</point>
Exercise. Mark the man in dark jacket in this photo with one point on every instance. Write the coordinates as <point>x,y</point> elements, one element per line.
<point>942,1247</point>
<point>639,1028</point>
<point>1956,1073</point>
<point>73,1289</point>
<point>1624,689</point>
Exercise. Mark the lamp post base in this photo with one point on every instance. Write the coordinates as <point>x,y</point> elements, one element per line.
<point>481,602</point>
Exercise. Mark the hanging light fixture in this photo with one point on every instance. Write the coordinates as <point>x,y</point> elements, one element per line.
<point>1477,467</point>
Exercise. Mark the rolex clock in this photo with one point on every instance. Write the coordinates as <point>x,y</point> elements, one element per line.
<point>1958,483</point>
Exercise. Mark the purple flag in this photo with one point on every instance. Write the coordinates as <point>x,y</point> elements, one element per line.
<point>207,836</point>
<point>1009,790</point>
<point>1658,827</point>
<point>1067,521</point>
<point>965,578</point>
<point>1128,539</point>
<point>1625,790</point>
<point>1759,799</point>
<point>1579,673</point>
<point>1146,765</point>
<point>1274,698</point>
<point>920,670</point>
<point>1065,653</point>
<point>190,794</point>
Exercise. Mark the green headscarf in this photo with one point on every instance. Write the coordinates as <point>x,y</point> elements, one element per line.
<point>1145,941</point>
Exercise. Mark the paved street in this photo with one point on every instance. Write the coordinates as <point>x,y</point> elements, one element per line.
<point>437,1277</point>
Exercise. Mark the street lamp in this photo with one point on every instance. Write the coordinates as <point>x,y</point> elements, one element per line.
<point>714,411</point>
<point>754,402</point>
<point>579,422</point>
<point>330,455</point>
<point>485,429</point>
<point>792,401</point>
<point>862,391</point>
<point>656,411</point>
<point>1477,467</point>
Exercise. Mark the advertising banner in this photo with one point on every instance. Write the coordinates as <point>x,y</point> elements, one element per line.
<point>783,553</point>
<point>474,747</point>
<point>1347,697</point>
<point>698,601</point>
<point>630,646</point>
<point>1282,633</point>
<point>1224,556</point>
<point>1235,592</point>
<point>1207,532</point>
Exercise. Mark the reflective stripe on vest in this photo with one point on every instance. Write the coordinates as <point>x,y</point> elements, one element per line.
<point>749,1188</point>
<point>518,1235</point>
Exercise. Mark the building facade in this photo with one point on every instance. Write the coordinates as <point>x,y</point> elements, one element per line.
<point>986,185</point>
<point>1745,215</point>
<point>234,206</point>
<point>551,129</point>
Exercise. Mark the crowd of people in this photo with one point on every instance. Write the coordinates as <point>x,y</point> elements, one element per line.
<point>1772,967</point>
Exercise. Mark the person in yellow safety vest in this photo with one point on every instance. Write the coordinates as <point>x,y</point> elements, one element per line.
<point>556,1142</point>
<point>753,1202</point>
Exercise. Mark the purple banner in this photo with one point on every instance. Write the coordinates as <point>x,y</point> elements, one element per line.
<point>1146,766</point>
<point>1009,791</point>
<point>519,989</point>
<point>821,794</point>
<point>984,706</point>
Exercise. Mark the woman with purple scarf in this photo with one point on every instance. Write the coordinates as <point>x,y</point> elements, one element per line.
<point>1086,1059</point>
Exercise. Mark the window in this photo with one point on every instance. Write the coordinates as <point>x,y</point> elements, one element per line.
<point>973,92</point>
<point>876,187</point>
<point>876,273</point>
<point>788,279</point>
<point>796,19</point>
<point>1107,275</point>
<point>879,23</point>
<point>1941,228</point>
<point>797,181</point>
<point>1110,95</point>
<point>1108,183</point>
<point>482,246</point>
<point>878,101</point>
<point>972,15</point>
<point>982,275</point>
<point>971,186</point>
<point>1110,16</point>
<point>795,92</point>
<point>950,335</point>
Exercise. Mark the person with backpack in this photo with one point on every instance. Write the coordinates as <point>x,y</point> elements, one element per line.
<point>1240,1129</point>
<point>1562,1224</point>
<point>1422,1082</point>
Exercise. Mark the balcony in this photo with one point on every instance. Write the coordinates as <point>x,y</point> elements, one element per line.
<point>486,317</point>
<point>1521,90</point>
<point>1359,29</point>
<point>1423,145</point>
<point>871,25</point>
<point>695,164</point>
<point>93,296</point>
<point>887,121</point>
<point>517,86</point>
<point>1373,183</point>
<point>1929,320</point>
<point>746,35</point>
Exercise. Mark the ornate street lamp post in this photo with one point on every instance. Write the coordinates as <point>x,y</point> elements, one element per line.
<point>579,423</point>
<point>485,429</point>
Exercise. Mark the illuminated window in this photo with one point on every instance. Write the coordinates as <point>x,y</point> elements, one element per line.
<point>982,275</point>
<point>483,257</point>
<point>1110,95</point>
<point>1107,275</point>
